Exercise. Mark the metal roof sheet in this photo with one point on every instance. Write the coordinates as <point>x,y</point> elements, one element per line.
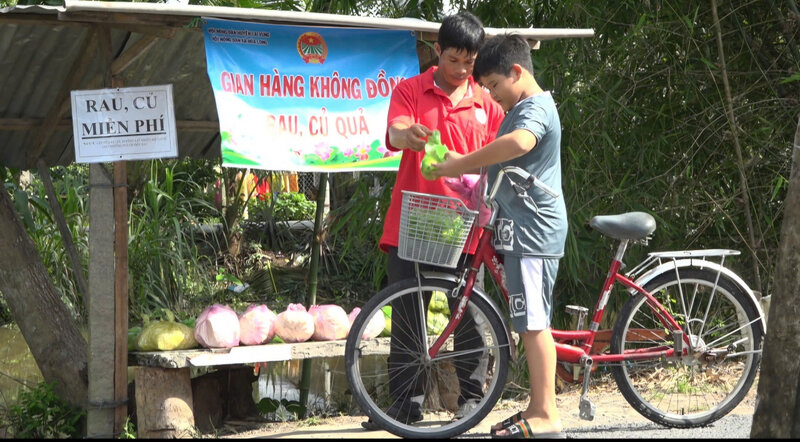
<point>47,51</point>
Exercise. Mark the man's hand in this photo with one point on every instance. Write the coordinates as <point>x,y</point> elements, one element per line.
<point>413,137</point>
<point>449,167</point>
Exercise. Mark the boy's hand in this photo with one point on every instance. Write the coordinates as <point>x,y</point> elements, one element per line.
<point>413,137</point>
<point>448,167</point>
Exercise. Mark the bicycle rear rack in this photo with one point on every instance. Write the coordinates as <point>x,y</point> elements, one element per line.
<point>657,258</point>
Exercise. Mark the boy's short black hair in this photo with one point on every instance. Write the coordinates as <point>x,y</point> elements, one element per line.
<point>462,31</point>
<point>500,53</point>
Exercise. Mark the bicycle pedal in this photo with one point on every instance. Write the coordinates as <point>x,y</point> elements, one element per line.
<point>587,409</point>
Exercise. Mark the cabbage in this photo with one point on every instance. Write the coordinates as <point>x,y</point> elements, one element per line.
<point>164,336</point>
<point>330,322</point>
<point>295,324</point>
<point>217,327</point>
<point>434,153</point>
<point>375,325</point>
<point>256,325</point>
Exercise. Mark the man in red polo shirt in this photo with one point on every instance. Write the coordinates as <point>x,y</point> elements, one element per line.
<point>447,99</point>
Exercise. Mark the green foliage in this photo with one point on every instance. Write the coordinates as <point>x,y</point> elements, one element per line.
<point>269,405</point>
<point>165,264</point>
<point>287,206</point>
<point>293,206</point>
<point>354,230</point>
<point>30,201</point>
<point>642,108</point>
<point>40,414</point>
<point>128,430</point>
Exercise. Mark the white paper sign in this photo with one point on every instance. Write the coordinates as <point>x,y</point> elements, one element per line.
<point>132,123</point>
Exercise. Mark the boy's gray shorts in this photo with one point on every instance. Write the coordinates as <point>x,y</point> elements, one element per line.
<point>530,282</point>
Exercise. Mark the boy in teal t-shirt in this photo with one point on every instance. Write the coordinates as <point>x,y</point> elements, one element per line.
<point>531,231</point>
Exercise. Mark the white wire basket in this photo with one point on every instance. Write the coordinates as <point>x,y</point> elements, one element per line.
<point>433,228</point>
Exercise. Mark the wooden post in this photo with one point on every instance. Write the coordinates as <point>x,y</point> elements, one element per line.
<point>100,305</point>
<point>108,319</point>
<point>120,295</point>
<point>164,403</point>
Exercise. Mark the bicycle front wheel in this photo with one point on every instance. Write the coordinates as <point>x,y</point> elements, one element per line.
<point>724,332</point>
<point>410,394</point>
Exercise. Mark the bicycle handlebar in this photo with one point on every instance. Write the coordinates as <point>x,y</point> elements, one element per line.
<point>530,180</point>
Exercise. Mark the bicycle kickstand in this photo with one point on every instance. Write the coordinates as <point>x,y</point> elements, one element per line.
<point>586,407</point>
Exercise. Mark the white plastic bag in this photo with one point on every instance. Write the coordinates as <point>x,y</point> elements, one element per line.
<point>330,322</point>
<point>295,324</point>
<point>217,327</point>
<point>257,325</point>
<point>374,327</point>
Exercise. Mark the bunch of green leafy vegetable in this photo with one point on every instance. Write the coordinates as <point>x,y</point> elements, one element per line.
<point>443,227</point>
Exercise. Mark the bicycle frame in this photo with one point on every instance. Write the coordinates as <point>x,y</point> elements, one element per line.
<point>585,354</point>
<point>486,255</point>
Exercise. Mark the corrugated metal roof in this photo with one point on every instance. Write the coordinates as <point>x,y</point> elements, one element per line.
<point>42,48</point>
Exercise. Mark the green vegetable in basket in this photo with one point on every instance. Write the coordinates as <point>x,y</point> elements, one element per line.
<point>442,227</point>
<point>434,153</point>
<point>452,234</point>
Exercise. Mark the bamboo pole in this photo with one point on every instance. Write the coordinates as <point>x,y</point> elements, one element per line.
<point>743,186</point>
<point>311,296</point>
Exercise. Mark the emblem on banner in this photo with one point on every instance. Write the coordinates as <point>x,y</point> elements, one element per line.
<point>312,48</point>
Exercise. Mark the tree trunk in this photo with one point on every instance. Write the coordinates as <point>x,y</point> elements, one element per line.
<point>777,413</point>
<point>54,340</point>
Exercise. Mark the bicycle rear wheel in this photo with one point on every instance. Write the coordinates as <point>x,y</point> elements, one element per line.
<point>725,333</point>
<point>477,353</point>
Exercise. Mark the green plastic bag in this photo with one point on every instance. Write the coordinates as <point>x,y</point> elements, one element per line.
<point>436,323</point>
<point>387,316</point>
<point>438,303</point>
<point>434,153</point>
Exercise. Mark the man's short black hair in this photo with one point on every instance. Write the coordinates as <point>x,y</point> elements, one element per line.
<point>500,53</point>
<point>462,31</point>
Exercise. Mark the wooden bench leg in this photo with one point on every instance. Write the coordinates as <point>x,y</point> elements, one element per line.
<point>164,403</point>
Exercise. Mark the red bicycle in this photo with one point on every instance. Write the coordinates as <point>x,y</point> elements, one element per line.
<point>684,349</point>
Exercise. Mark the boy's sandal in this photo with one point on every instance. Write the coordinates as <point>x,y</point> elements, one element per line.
<point>507,423</point>
<point>522,430</point>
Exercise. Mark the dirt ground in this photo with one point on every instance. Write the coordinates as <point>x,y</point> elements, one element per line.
<point>612,409</point>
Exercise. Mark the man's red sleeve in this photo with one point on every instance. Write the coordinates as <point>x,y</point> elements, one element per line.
<point>402,109</point>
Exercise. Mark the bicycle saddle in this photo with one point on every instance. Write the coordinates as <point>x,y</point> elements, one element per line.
<point>631,225</point>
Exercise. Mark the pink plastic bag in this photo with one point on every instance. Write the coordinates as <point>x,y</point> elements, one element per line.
<point>217,327</point>
<point>373,328</point>
<point>330,322</point>
<point>471,189</point>
<point>295,324</point>
<point>257,325</point>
